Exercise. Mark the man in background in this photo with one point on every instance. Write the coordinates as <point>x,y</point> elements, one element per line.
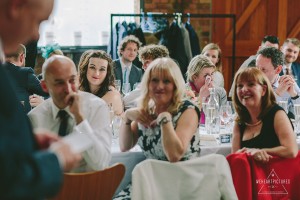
<point>270,61</point>
<point>267,41</point>
<point>84,112</point>
<point>290,50</point>
<point>30,166</point>
<point>124,69</point>
<point>23,78</point>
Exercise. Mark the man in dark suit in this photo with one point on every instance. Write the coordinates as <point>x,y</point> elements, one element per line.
<point>290,49</point>
<point>25,171</point>
<point>124,69</point>
<point>23,78</point>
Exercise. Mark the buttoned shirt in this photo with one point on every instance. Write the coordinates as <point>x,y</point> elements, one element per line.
<point>285,95</point>
<point>127,69</point>
<point>96,124</point>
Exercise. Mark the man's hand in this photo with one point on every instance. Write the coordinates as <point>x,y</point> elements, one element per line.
<point>74,102</point>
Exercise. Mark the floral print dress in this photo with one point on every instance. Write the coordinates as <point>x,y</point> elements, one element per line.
<point>151,144</point>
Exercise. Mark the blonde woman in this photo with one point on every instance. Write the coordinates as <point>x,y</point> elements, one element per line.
<point>214,53</point>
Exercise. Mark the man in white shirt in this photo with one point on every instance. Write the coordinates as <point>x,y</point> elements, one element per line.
<point>290,50</point>
<point>270,61</point>
<point>87,113</point>
<point>267,41</point>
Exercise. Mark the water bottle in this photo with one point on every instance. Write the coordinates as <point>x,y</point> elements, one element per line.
<point>212,118</point>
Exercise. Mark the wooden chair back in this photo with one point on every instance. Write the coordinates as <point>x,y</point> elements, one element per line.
<point>98,185</point>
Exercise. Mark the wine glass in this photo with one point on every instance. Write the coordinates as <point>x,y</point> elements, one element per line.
<point>118,85</point>
<point>126,88</point>
<point>283,102</point>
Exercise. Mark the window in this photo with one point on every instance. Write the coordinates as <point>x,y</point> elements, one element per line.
<point>85,23</point>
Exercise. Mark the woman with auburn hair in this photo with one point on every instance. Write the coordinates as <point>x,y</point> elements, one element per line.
<point>262,128</point>
<point>96,76</point>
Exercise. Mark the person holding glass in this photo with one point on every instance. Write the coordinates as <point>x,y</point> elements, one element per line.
<point>199,79</point>
<point>96,77</point>
<point>164,124</point>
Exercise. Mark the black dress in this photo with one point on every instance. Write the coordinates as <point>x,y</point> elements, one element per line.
<point>267,137</point>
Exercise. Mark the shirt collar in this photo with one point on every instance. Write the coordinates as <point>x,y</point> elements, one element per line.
<point>123,65</point>
<point>55,110</point>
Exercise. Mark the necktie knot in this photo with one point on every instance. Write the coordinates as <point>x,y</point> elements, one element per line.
<point>288,71</point>
<point>63,115</point>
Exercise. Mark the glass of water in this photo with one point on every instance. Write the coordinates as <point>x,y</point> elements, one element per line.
<point>126,88</point>
<point>118,85</point>
<point>283,102</point>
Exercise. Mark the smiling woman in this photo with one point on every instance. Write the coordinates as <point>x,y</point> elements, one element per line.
<point>96,77</point>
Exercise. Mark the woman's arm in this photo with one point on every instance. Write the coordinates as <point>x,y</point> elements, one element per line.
<point>114,98</point>
<point>236,138</point>
<point>128,134</point>
<point>175,142</point>
<point>286,135</point>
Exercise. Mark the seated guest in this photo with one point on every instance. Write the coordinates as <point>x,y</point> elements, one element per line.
<point>290,50</point>
<point>124,69</point>
<point>164,125</point>
<point>214,53</point>
<point>262,127</point>
<point>262,131</point>
<point>146,55</point>
<point>270,61</point>
<point>23,78</point>
<point>96,77</point>
<point>267,41</point>
<point>85,113</point>
<point>199,79</point>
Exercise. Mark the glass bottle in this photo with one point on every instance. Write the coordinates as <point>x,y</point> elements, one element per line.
<point>212,118</point>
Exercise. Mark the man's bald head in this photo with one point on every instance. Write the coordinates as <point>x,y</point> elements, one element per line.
<point>56,62</point>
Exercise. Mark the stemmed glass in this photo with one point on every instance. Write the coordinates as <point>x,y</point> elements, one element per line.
<point>126,88</point>
<point>297,119</point>
<point>118,85</point>
<point>283,102</point>
<point>225,114</point>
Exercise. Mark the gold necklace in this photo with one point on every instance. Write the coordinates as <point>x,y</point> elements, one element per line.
<point>255,124</point>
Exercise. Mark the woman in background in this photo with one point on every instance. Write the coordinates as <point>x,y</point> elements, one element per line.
<point>214,53</point>
<point>96,76</point>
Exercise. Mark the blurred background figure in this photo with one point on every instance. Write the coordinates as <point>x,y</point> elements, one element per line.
<point>214,53</point>
<point>162,117</point>
<point>23,78</point>
<point>96,77</point>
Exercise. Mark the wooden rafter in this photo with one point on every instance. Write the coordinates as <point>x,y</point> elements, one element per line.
<point>295,31</point>
<point>282,19</point>
<point>244,17</point>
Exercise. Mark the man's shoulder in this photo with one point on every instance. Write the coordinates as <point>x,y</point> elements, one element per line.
<point>136,68</point>
<point>42,109</point>
<point>89,98</point>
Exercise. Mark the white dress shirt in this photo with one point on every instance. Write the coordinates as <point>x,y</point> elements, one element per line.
<point>285,95</point>
<point>96,124</point>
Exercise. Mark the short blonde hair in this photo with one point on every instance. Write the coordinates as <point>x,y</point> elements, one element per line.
<point>164,67</point>
<point>197,64</point>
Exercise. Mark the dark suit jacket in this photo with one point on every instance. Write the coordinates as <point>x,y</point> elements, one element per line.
<point>25,172</point>
<point>134,76</point>
<point>25,83</point>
